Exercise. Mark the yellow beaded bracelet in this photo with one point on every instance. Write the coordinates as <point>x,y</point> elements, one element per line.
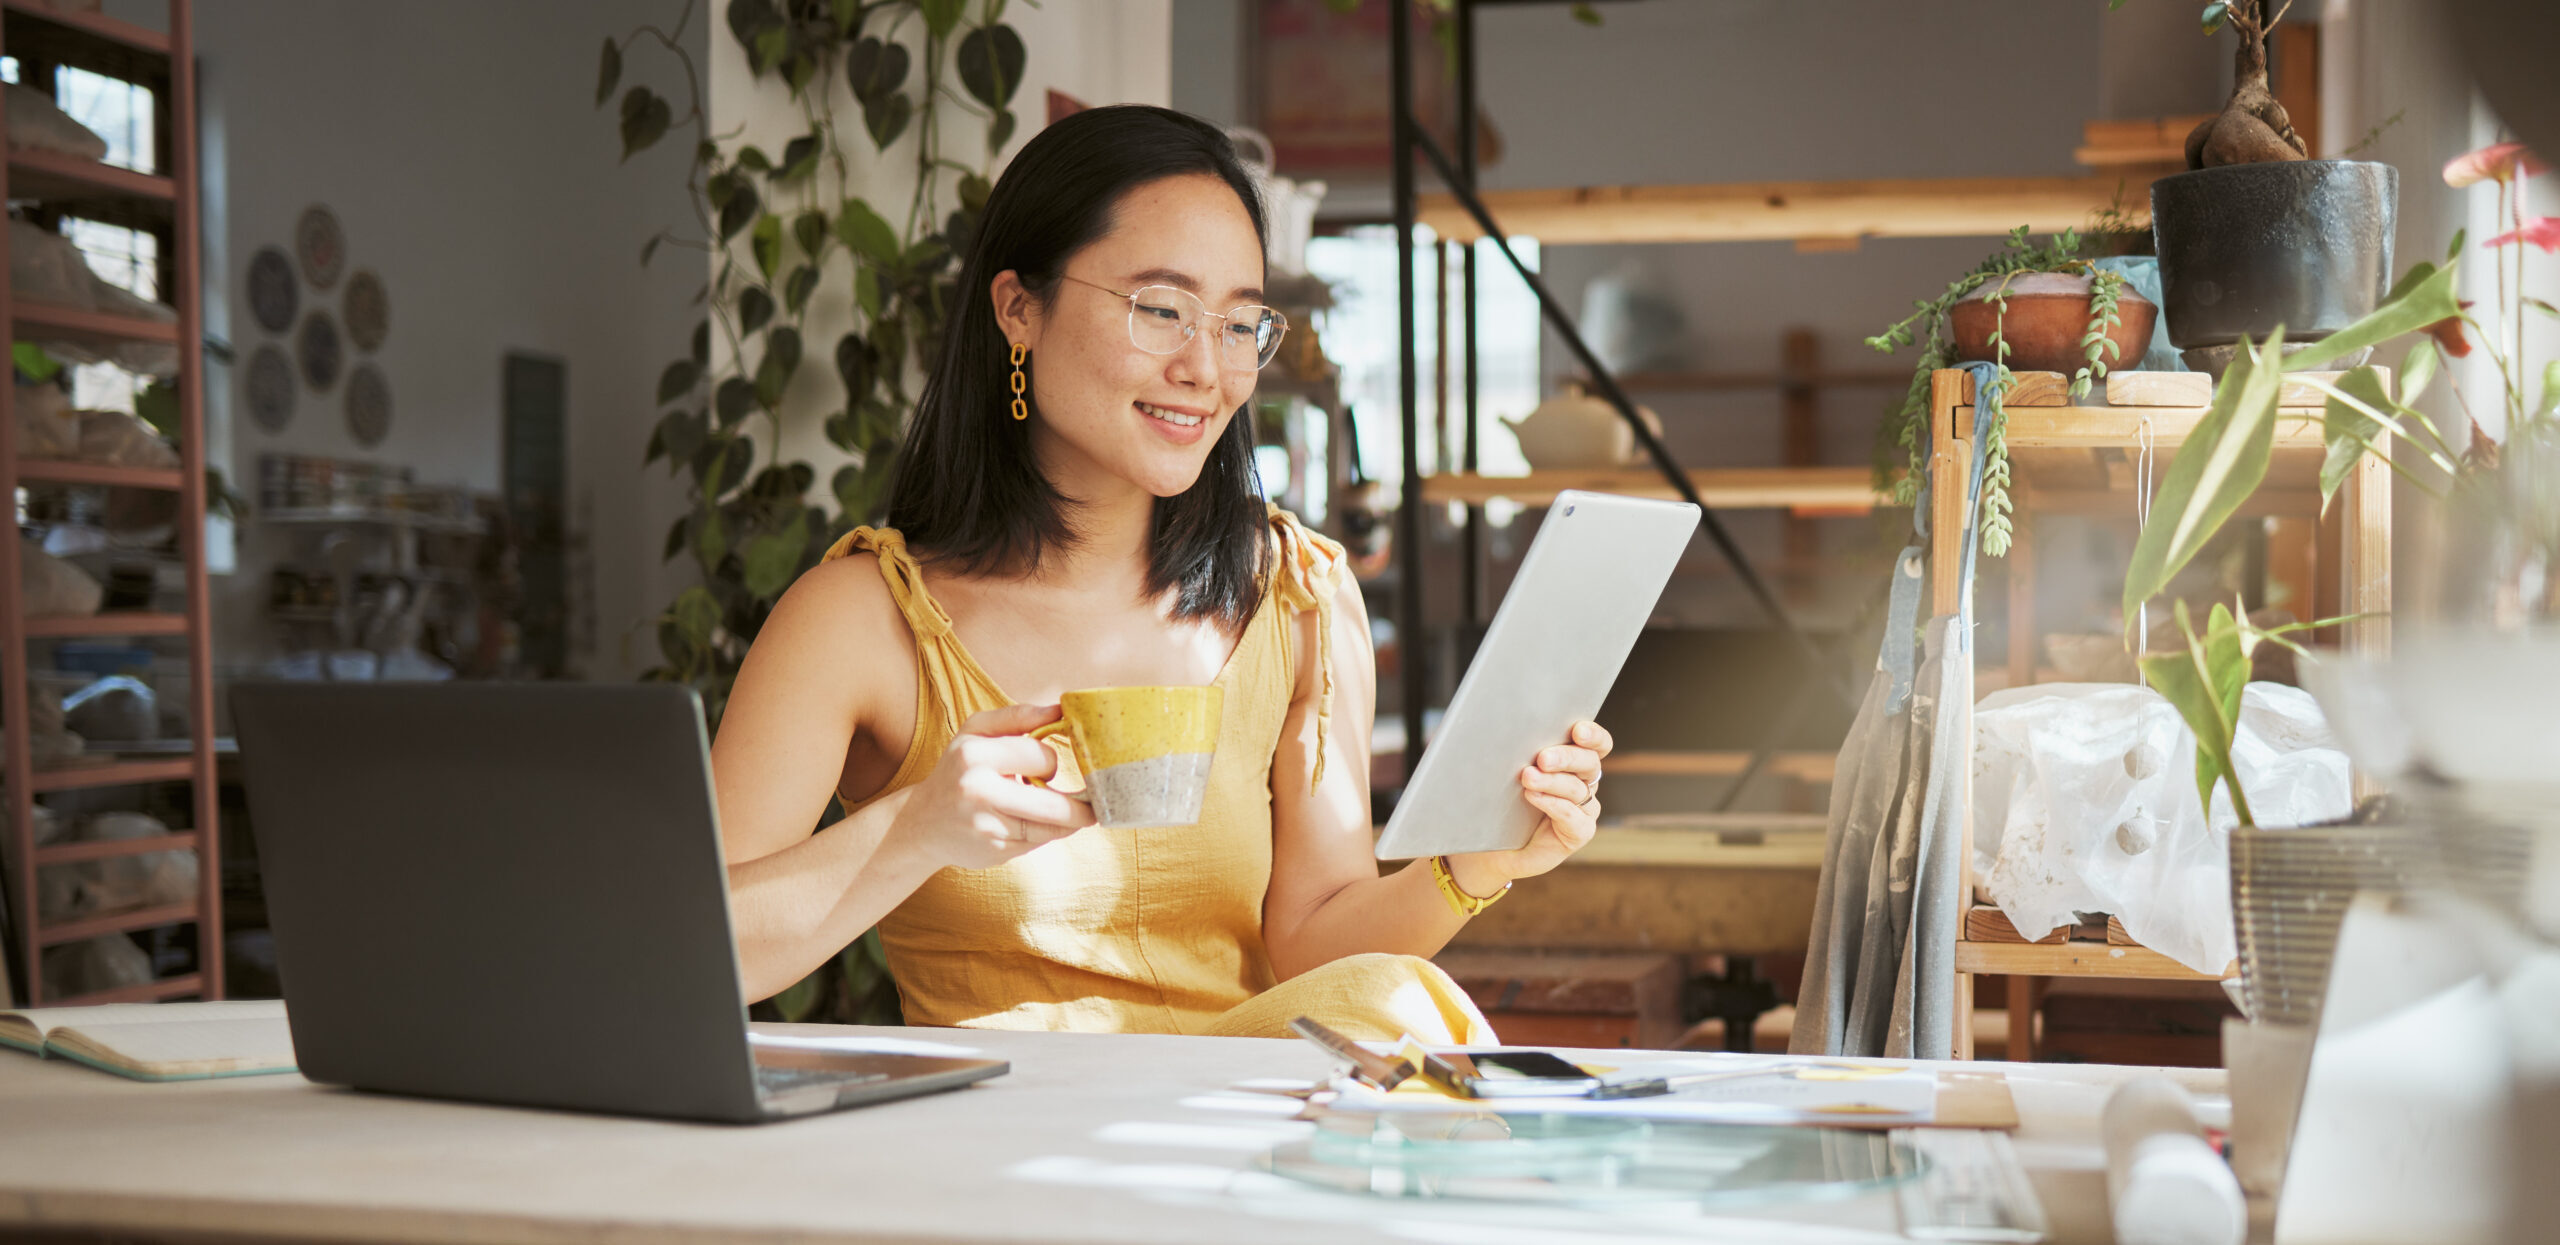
<point>1460,901</point>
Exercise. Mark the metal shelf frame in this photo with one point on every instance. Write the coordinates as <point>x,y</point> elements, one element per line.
<point>1459,178</point>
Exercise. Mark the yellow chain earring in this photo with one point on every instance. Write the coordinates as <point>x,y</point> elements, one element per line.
<point>1020,410</point>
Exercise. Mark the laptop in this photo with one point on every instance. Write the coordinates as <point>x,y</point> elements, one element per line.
<point>514,893</point>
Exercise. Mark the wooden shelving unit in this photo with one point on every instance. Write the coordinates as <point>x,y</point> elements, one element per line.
<point>1827,489</point>
<point>1816,212</point>
<point>42,38</point>
<point>2049,438</point>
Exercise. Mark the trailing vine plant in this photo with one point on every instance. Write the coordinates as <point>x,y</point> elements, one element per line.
<point>776,226</point>
<point>1902,441</point>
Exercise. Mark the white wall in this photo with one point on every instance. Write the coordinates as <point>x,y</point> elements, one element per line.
<point>459,146</point>
<point>1099,51</point>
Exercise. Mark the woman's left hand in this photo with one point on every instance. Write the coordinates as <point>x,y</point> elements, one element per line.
<point>1564,784</point>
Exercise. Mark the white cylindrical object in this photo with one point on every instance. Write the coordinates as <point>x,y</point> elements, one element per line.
<point>2165,1186</point>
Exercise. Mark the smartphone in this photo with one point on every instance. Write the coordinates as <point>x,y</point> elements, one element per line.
<point>1526,1074</point>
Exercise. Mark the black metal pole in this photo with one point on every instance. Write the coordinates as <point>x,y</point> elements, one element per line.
<point>1410,645</point>
<point>1471,553</point>
<point>1607,384</point>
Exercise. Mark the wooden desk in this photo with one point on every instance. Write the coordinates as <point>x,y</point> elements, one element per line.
<point>1089,1139</point>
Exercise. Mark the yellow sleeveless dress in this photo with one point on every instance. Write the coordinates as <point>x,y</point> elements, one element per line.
<point>1144,930</point>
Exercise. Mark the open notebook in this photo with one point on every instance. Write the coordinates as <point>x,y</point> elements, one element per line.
<point>159,1041</point>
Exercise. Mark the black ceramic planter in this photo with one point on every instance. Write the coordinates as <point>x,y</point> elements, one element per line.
<point>2246,247</point>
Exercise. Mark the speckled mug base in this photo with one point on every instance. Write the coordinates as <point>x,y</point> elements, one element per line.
<point>1158,791</point>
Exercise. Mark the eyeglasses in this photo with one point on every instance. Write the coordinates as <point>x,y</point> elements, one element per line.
<point>1163,319</point>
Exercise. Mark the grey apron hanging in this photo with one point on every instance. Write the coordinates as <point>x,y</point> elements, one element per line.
<point>1879,974</point>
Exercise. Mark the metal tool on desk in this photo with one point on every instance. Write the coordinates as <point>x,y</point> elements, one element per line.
<point>1483,1074</point>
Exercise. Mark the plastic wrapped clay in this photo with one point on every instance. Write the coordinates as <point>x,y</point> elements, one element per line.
<point>36,123</point>
<point>107,962</point>
<point>121,440</point>
<point>50,586</point>
<point>47,426</point>
<point>45,267</point>
<point>2085,802</point>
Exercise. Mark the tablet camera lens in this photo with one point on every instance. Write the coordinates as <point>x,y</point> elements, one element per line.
<point>1568,512</point>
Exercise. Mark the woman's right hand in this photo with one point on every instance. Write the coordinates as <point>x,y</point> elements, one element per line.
<point>974,811</point>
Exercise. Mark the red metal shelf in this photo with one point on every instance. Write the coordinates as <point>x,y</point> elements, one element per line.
<point>113,622</point>
<point>65,471</point>
<point>51,175</point>
<point>112,774</point>
<point>147,992</point>
<point>88,328</point>
<point>70,853</point>
<point>115,923</point>
<point>137,38</point>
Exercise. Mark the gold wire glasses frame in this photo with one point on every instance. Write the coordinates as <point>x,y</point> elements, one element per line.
<point>1164,318</point>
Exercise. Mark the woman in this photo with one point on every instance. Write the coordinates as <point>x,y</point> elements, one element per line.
<point>1108,530</point>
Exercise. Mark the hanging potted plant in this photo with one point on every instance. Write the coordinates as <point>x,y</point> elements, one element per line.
<point>2027,307</point>
<point>2258,234</point>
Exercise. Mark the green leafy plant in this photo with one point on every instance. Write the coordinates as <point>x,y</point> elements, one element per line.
<point>2205,679</point>
<point>2225,459</point>
<point>776,226</point>
<point>1902,449</point>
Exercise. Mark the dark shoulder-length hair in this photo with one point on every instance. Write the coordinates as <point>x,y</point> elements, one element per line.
<point>967,493</point>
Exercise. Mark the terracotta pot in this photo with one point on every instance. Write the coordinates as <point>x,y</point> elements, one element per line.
<point>2048,313</point>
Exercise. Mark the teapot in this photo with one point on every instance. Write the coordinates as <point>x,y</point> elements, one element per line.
<point>1576,431</point>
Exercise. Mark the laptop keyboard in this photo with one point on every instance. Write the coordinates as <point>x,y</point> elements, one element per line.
<point>770,1081</point>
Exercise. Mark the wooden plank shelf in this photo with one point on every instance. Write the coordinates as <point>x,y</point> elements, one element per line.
<point>1968,207</point>
<point>66,471</point>
<point>1840,489</point>
<point>1743,382</point>
<point>112,774</point>
<point>57,178</point>
<point>1712,840</point>
<point>105,849</point>
<point>375,517</point>
<point>2121,427</point>
<point>147,992</point>
<point>112,622</point>
<point>2076,959</point>
<point>47,322</point>
<point>1984,923</point>
<point>1801,766</point>
<point>2156,140</point>
<point>98,26</point>
<point>124,922</point>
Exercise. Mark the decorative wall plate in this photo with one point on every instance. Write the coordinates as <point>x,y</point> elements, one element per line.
<point>318,348</point>
<point>274,295</point>
<point>367,308</point>
<point>269,387</point>
<point>368,405</point>
<point>321,245</point>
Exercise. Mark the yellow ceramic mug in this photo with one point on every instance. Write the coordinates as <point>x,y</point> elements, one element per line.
<point>1144,751</point>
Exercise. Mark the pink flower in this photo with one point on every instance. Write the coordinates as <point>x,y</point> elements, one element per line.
<point>2542,231</point>
<point>2496,162</point>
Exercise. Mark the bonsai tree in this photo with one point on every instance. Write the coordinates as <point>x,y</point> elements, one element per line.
<point>2252,128</point>
<point>2227,456</point>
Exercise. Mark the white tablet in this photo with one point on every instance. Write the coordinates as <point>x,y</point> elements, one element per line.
<point>1584,592</point>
